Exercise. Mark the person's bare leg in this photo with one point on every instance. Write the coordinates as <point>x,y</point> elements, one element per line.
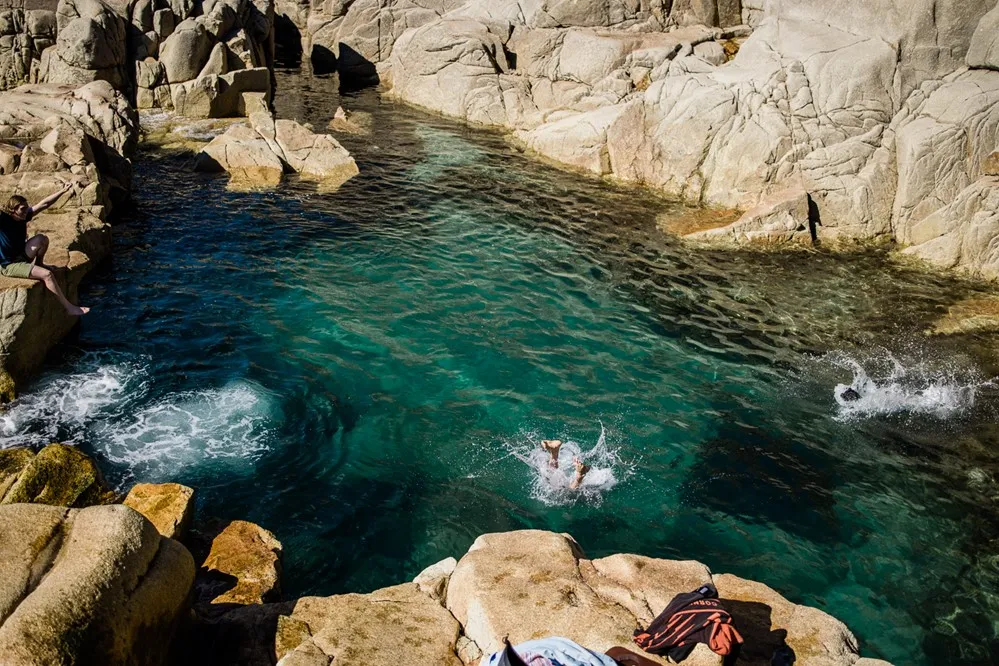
<point>35,249</point>
<point>552,446</point>
<point>45,276</point>
<point>581,470</point>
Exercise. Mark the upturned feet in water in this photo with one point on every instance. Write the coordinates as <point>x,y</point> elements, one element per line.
<point>552,446</point>
<point>581,470</point>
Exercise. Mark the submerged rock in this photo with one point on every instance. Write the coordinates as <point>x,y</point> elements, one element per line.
<point>88,586</point>
<point>168,506</point>
<point>356,122</point>
<point>779,219</point>
<point>977,314</point>
<point>59,475</point>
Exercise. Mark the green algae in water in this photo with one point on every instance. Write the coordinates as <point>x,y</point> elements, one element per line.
<point>367,374</point>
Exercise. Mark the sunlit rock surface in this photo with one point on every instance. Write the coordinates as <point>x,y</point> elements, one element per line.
<point>57,135</point>
<point>58,475</point>
<point>533,584</point>
<point>257,155</point>
<point>87,586</point>
<point>168,506</point>
<point>723,103</point>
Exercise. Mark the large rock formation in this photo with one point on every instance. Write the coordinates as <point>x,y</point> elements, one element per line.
<point>882,113</point>
<point>215,65</point>
<point>79,136</point>
<point>358,38</point>
<point>59,475</point>
<point>532,584</point>
<point>87,586</point>
<point>90,46</point>
<point>188,55</point>
<point>24,34</point>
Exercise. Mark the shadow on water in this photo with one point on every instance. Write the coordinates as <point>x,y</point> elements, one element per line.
<point>359,371</point>
<point>745,471</point>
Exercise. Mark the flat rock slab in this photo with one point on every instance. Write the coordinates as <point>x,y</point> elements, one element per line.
<point>978,314</point>
<point>168,506</point>
<point>395,625</point>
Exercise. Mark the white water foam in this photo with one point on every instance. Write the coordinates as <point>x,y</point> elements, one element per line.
<point>228,426</point>
<point>63,406</point>
<point>106,406</point>
<point>885,385</point>
<point>551,485</point>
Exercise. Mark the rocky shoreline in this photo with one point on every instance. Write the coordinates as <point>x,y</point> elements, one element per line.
<point>814,123</point>
<point>832,122</point>
<point>90,580</point>
<point>51,135</point>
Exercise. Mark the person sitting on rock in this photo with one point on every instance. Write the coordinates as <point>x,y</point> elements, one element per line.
<point>552,447</point>
<point>23,257</point>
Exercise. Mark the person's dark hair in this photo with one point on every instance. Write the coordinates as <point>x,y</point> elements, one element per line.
<point>14,202</point>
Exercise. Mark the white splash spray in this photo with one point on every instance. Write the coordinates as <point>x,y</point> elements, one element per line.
<point>106,406</point>
<point>884,385</point>
<point>64,406</point>
<point>551,486</point>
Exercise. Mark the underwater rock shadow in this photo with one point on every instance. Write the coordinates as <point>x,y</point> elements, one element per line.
<point>766,478</point>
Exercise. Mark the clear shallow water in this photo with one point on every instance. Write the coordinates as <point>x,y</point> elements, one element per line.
<point>368,373</point>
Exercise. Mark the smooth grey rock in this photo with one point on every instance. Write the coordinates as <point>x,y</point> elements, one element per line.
<point>984,50</point>
<point>185,51</point>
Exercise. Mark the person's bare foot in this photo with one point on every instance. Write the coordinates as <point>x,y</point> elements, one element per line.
<point>77,311</point>
<point>552,446</point>
<point>581,470</point>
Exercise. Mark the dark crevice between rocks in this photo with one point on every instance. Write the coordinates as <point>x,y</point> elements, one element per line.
<point>356,71</point>
<point>287,43</point>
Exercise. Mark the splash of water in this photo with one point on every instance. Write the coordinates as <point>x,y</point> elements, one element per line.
<point>104,405</point>
<point>551,486</point>
<point>63,407</point>
<point>883,385</point>
<point>227,425</point>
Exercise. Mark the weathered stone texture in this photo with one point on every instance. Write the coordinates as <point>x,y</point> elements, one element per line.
<point>168,506</point>
<point>87,586</point>
<point>58,475</point>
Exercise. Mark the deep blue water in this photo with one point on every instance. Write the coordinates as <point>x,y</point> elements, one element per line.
<point>367,374</point>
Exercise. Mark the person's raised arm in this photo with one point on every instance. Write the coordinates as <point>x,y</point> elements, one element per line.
<point>51,199</point>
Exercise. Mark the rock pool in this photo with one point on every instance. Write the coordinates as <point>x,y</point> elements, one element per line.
<point>368,375</point>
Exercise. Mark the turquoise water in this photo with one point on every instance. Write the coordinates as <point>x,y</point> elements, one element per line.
<point>368,374</point>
